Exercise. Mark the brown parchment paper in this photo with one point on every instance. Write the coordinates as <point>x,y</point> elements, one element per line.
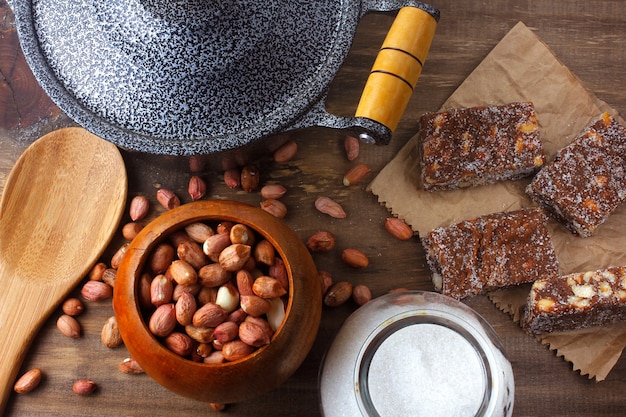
<point>521,68</point>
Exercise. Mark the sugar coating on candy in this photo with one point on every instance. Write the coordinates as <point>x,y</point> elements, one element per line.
<point>464,147</point>
<point>576,301</point>
<point>586,181</point>
<point>490,252</point>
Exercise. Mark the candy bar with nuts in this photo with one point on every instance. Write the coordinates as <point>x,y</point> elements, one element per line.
<point>576,301</point>
<point>587,179</point>
<point>465,147</point>
<point>489,252</point>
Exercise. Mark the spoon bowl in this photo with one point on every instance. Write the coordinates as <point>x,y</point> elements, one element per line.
<point>62,203</point>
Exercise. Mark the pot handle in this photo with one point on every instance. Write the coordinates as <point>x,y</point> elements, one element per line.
<point>392,77</point>
<point>397,67</point>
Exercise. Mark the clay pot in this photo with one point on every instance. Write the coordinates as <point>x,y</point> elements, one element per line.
<point>240,380</point>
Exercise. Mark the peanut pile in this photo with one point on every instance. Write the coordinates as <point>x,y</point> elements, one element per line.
<point>214,292</point>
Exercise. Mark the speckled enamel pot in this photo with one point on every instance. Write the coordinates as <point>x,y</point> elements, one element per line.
<point>192,77</point>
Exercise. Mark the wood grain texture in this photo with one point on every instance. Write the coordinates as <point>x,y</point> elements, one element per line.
<point>22,101</point>
<point>588,36</point>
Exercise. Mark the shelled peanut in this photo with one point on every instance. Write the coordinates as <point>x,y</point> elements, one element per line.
<point>217,292</point>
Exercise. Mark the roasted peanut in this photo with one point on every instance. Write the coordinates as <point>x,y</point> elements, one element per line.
<point>196,188</point>
<point>352,147</point>
<point>328,206</point>
<point>322,241</point>
<point>167,198</point>
<point>84,387</point>
<point>286,152</point>
<point>356,174</point>
<point>338,294</point>
<point>139,207</point>
<point>28,381</point>
<point>354,258</point>
<point>398,228</point>
<point>250,178</point>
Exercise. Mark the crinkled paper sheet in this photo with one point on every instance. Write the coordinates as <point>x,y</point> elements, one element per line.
<point>521,68</point>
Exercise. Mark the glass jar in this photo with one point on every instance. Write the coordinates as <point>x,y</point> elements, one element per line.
<point>416,354</point>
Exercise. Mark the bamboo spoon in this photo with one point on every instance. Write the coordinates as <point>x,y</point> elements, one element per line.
<point>62,203</point>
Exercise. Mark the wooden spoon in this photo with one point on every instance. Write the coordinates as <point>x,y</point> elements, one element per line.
<point>62,203</point>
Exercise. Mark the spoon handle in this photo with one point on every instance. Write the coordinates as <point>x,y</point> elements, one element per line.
<point>23,309</point>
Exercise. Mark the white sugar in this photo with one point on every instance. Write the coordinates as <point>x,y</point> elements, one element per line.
<point>426,370</point>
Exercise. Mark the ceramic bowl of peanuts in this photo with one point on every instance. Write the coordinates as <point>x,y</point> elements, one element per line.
<point>218,301</point>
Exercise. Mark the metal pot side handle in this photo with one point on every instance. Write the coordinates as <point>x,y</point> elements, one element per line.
<point>392,78</point>
<point>397,67</point>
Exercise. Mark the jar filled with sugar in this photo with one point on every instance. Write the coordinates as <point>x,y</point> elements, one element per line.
<point>416,354</point>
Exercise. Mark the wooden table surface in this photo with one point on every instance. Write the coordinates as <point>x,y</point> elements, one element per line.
<point>588,36</point>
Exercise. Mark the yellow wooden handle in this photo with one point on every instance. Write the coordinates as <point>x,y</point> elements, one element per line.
<point>397,67</point>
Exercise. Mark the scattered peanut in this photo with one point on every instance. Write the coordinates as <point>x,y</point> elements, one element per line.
<point>286,152</point>
<point>119,255</point>
<point>398,228</point>
<point>197,163</point>
<point>110,335</point>
<point>354,258</point>
<point>73,307</point>
<point>273,191</point>
<point>338,294</point>
<point>326,280</point>
<point>97,271</point>
<point>167,198</point>
<point>351,146</point>
<point>96,291</point>
<point>69,326</point>
<point>28,381</point>
<point>130,366</point>
<point>196,188</point>
<point>250,178</point>
<point>361,294</point>
<point>397,290</point>
<point>328,206</point>
<point>274,207</point>
<point>131,229</point>
<point>217,406</point>
<point>356,174</point>
<point>139,207</point>
<point>232,178</point>
<point>322,241</point>
<point>84,387</point>
<point>109,277</point>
